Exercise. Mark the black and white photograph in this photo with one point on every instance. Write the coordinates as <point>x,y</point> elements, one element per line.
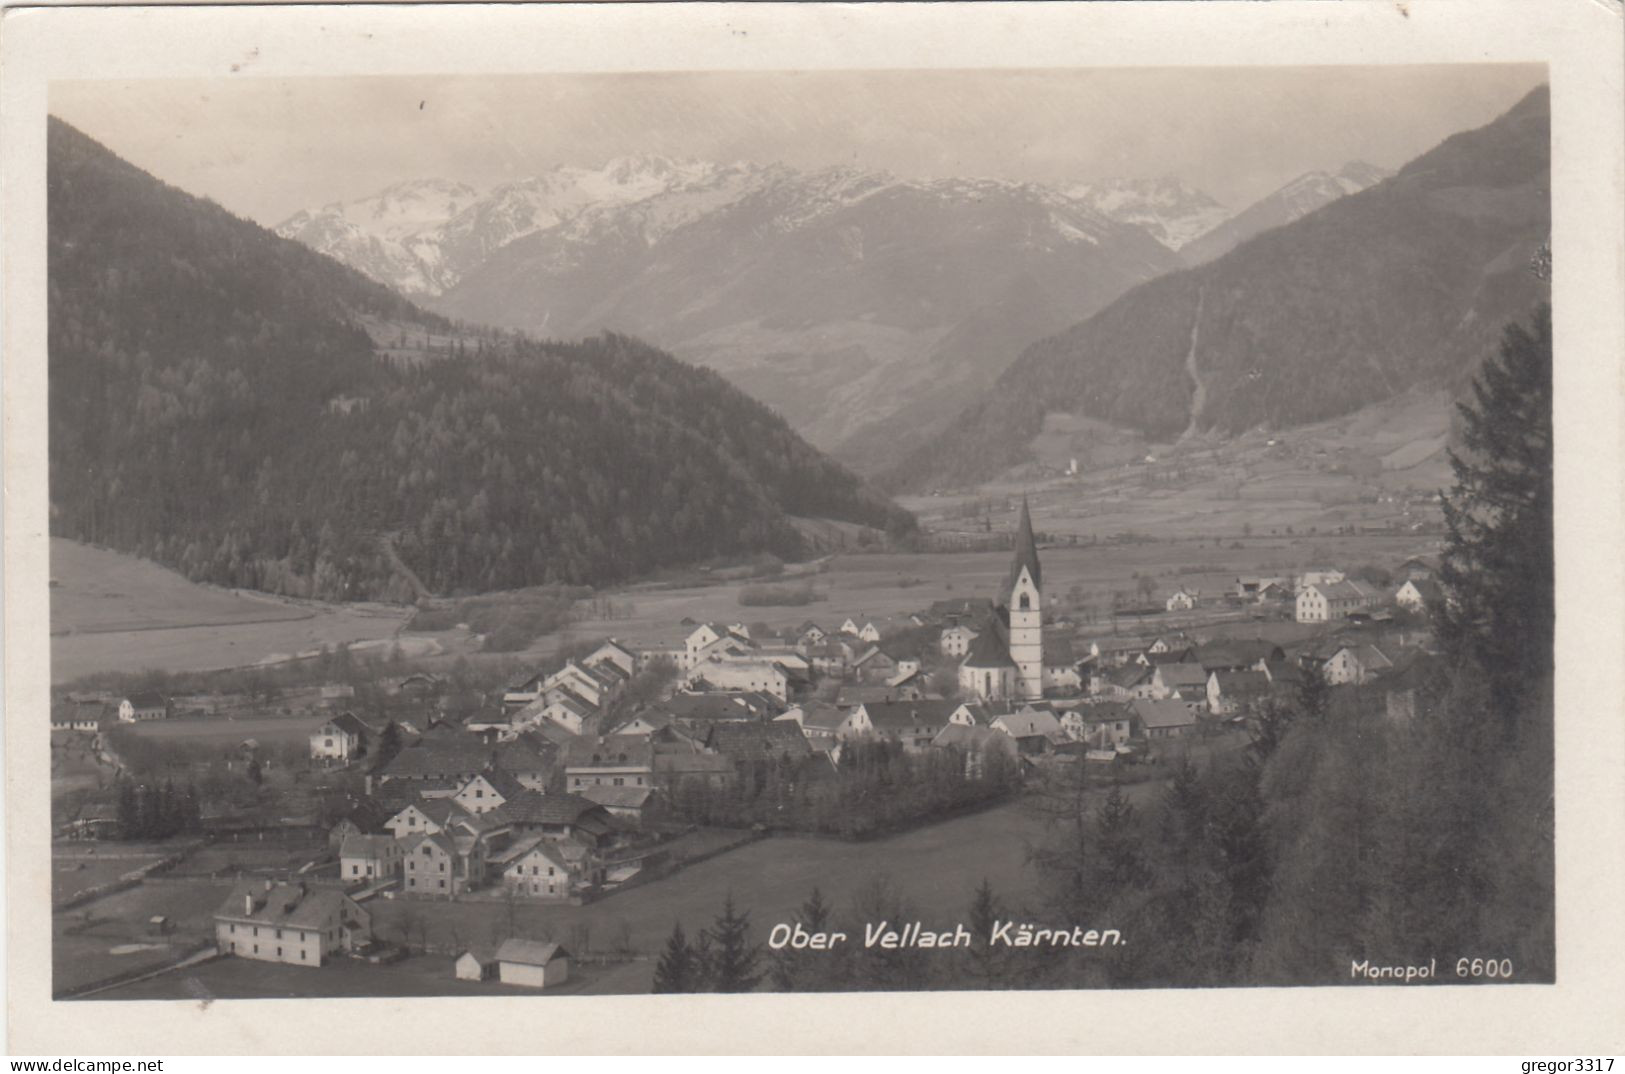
<point>594,533</point>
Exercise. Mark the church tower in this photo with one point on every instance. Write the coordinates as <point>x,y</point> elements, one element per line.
<point>1026,611</point>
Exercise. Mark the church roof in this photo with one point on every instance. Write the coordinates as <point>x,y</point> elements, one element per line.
<point>1026,551</point>
<point>988,651</point>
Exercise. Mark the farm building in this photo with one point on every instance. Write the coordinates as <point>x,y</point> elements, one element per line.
<point>476,964</point>
<point>532,963</point>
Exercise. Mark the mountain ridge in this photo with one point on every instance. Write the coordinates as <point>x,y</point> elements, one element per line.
<point>1404,284</point>
<point>267,439</point>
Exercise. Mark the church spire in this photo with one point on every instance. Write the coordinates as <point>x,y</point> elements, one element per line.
<point>1026,550</point>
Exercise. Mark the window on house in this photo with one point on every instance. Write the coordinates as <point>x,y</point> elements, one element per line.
<point>442,883</point>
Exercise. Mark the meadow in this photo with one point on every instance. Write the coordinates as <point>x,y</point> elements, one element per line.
<point>112,612</point>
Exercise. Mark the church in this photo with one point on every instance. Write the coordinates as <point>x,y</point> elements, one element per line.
<point>1006,661</point>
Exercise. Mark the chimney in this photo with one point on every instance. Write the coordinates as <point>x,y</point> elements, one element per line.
<point>269,883</point>
<point>248,904</point>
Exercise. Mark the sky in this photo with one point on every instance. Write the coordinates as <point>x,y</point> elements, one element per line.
<point>266,148</point>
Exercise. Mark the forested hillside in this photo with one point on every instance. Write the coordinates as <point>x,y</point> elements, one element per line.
<point>1399,286</point>
<point>215,405</point>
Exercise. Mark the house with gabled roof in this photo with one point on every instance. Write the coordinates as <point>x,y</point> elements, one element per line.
<point>1125,682</point>
<point>1415,594</point>
<point>875,665</point>
<point>487,790</point>
<point>563,706</point>
<point>1168,680</point>
<point>535,868</point>
<point>558,816</point>
<point>425,815</point>
<point>630,803</point>
<point>369,858</point>
<point>608,760</point>
<point>342,738</point>
<point>755,748</point>
<point>1232,692</point>
<point>1355,664</point>
<point>1115,652</point>
<point>1183,599</point>
<point>294,923</point>
<point>614,653</point>
<point>1164,719</point>
<point>143,707</point>
<point>1106,724</point>
<point>1034,730</point>
<point>913,724</point>
<point>442,755</point>
<point>532,963</point>
<point>1322,602</point>
<point>977,744</point>
<point>677,767</point>
<point>751,675</point>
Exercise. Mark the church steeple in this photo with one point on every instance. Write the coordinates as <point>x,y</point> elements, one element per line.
<point>1026,551</point>
<point>1026,595</point>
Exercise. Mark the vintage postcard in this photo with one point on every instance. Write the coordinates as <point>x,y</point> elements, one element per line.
<point>786,525</point>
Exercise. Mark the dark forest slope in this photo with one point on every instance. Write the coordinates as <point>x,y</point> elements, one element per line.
<point>215,405</point>
<point>1403,285</point>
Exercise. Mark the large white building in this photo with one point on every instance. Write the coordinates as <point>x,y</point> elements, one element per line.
<point>294,923</point>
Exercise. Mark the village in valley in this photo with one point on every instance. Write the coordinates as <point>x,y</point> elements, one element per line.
<point>425,830</point>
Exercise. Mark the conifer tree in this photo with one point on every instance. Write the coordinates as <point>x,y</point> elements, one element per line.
<point>734,959</point>
<point>794,970</point>
<point>681,968</point>
<point>1497,609</point>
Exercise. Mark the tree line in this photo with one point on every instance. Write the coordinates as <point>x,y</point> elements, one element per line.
<point>196,364</point>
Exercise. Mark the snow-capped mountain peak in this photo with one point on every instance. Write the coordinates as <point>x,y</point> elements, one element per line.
<point>1172,211</point>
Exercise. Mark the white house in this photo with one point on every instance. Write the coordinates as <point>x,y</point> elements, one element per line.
<point>537,871</point>
<point>613,652</point>
<point>340,739</point>
<point>532,963</point>
<point>869,633</point>
<point>761,675</point>
<point>1355,664</point>
<point>293,923</point>
<point>369,857</point>
<point>487,791</point>
<point>140,708</point>
<point>1320,602</point>
<point>1414,595</point>
<point>1183,599</point>
<point>476,964</point>
<point>956,641</point>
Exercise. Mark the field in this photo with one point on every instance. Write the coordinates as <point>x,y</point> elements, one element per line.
<point>268,730</point>
<point>1380,466</point>
<point>887,585</point>
<point>112,612</point>
<point>424,975</point>
<point>110,935</point>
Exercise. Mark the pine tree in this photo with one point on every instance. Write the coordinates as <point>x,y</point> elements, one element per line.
<point>1497,574</point>
<point>794,970</point>
<point>680,969</point>
<point>734,959</point>
<point>985,963</point>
